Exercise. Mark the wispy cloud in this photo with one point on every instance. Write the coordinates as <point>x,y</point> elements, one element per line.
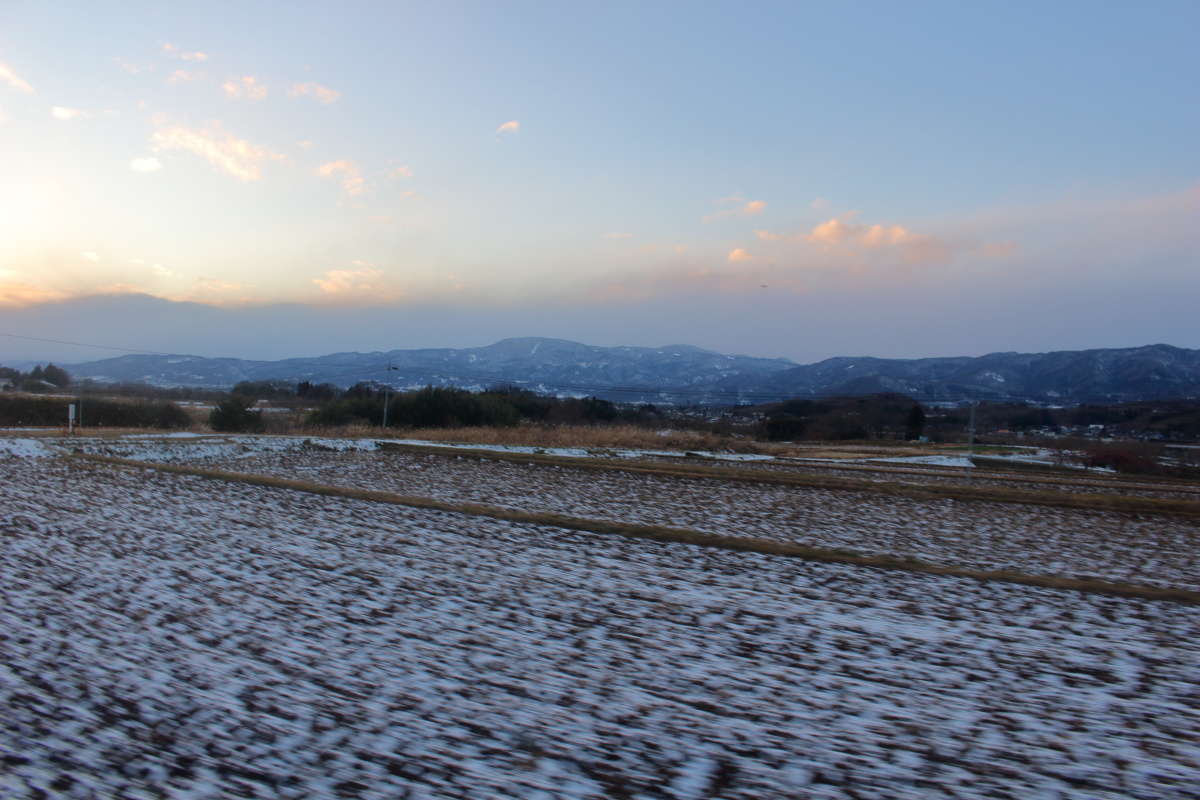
<point>736,206</point>
<point>343,283</point>
<point>321,93</point>
<point>396,173</point>
<point>738,255</point>
<point>844,233</point>
<point>18,293</point>
<point>618,235</point>
<point>67,114</point>
<point>246,87</point>
<point>512,126</point>
<point>187,55</point>
<point>184,76</point>
<point>351,177</point>
<point>237,157</point>
<point>145,164</point>
<point>10,77</point>
<point>88,255</point>
<point>217,286</point>
<point>132,68</point>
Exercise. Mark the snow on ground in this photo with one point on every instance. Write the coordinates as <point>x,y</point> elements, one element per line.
<point>1153,549</point>
<point>580,452</point>
<point>935,461</point>
<point>172,435</point>
<point>23,448</point>
<point>168,636</point>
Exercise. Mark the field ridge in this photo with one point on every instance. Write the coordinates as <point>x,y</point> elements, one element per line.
<point>673,534</point>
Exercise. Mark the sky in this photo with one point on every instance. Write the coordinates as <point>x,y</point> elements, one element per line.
<point>779,179</point>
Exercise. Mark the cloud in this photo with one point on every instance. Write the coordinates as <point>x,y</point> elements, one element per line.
<point>618,235</point>
<point>183,76</point>
<point>512,126</point>
<point>88,255</point>
<point>346,282</point>
<point>819,204</point>
<point>738,207</point>
<point>187,55</point>
<point>66,114</point>
<point>233,156</point>
<point>738,255</point>
<point>323,94</point>
<point>162,272</point>
<point>843,233</point>
<point>145,164</point>
<point>132,68</point>
<point>18,294</point>
<point>352,180</point>
<point>400,172</point>
<point>216,286</point>
<point>9,76</point>
<point>832,232</point>
<point>306,144</point>
<point>245,88</point>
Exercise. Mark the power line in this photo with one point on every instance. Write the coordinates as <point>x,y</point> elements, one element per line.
<point>85,344</point>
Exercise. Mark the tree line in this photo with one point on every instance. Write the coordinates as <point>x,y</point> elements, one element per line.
<point>39,379</point>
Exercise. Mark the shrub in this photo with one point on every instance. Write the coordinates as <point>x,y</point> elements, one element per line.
<point>233,415</point>
<point>1132,457</point>
<point>95,413</point>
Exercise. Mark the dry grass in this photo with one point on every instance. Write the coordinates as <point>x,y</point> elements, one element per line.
<point>606,437</point>
<point>676,535</point>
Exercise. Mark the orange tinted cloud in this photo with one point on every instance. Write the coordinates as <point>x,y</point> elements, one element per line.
<point>512,126</point>
<point>322,94</point>
<point>352,180</point>
<point>18,293</point>
<point>186,55</point>
<point>9,76</point>
<point>741,208</point>
<point>245,88</point>
<point>739,255</point>
<point>842,233</point>
<point>236,157</point>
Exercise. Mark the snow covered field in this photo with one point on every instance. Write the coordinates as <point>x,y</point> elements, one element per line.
<point>169,636</point>
<point>1149,549</point>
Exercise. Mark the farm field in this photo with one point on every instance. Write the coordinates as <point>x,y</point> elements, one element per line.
<point>167,635</point>
<point>1156,550</point>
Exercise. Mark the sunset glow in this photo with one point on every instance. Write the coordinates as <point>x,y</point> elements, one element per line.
<point>489,160</point>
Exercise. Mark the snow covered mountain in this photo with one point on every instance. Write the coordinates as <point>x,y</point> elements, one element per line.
<point>684,374</point>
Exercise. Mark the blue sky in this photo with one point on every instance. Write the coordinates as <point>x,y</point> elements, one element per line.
<point>776,179</point>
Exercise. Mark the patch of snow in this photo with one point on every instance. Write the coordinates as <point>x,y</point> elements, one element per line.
<point>939,461</point>
<point>24,448</point>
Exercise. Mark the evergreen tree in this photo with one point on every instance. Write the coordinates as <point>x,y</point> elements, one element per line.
<point>56,375</point>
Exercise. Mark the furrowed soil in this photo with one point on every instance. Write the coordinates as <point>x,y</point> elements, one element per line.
<point>166,635</point>
<point>1154,550</point>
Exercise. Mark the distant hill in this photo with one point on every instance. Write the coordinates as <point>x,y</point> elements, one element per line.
<point>684,374</point>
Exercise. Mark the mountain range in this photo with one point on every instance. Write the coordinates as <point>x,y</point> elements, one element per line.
<point>682,374</point>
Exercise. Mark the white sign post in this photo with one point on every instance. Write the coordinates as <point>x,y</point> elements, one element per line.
<point>71,418</point>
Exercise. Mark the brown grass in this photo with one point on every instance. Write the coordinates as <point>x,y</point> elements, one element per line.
<point>605,437</point>
<point>677,535</point>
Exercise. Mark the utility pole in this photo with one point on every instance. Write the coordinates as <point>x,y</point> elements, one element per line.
<point>387,392</point>
<point>971,431</point>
